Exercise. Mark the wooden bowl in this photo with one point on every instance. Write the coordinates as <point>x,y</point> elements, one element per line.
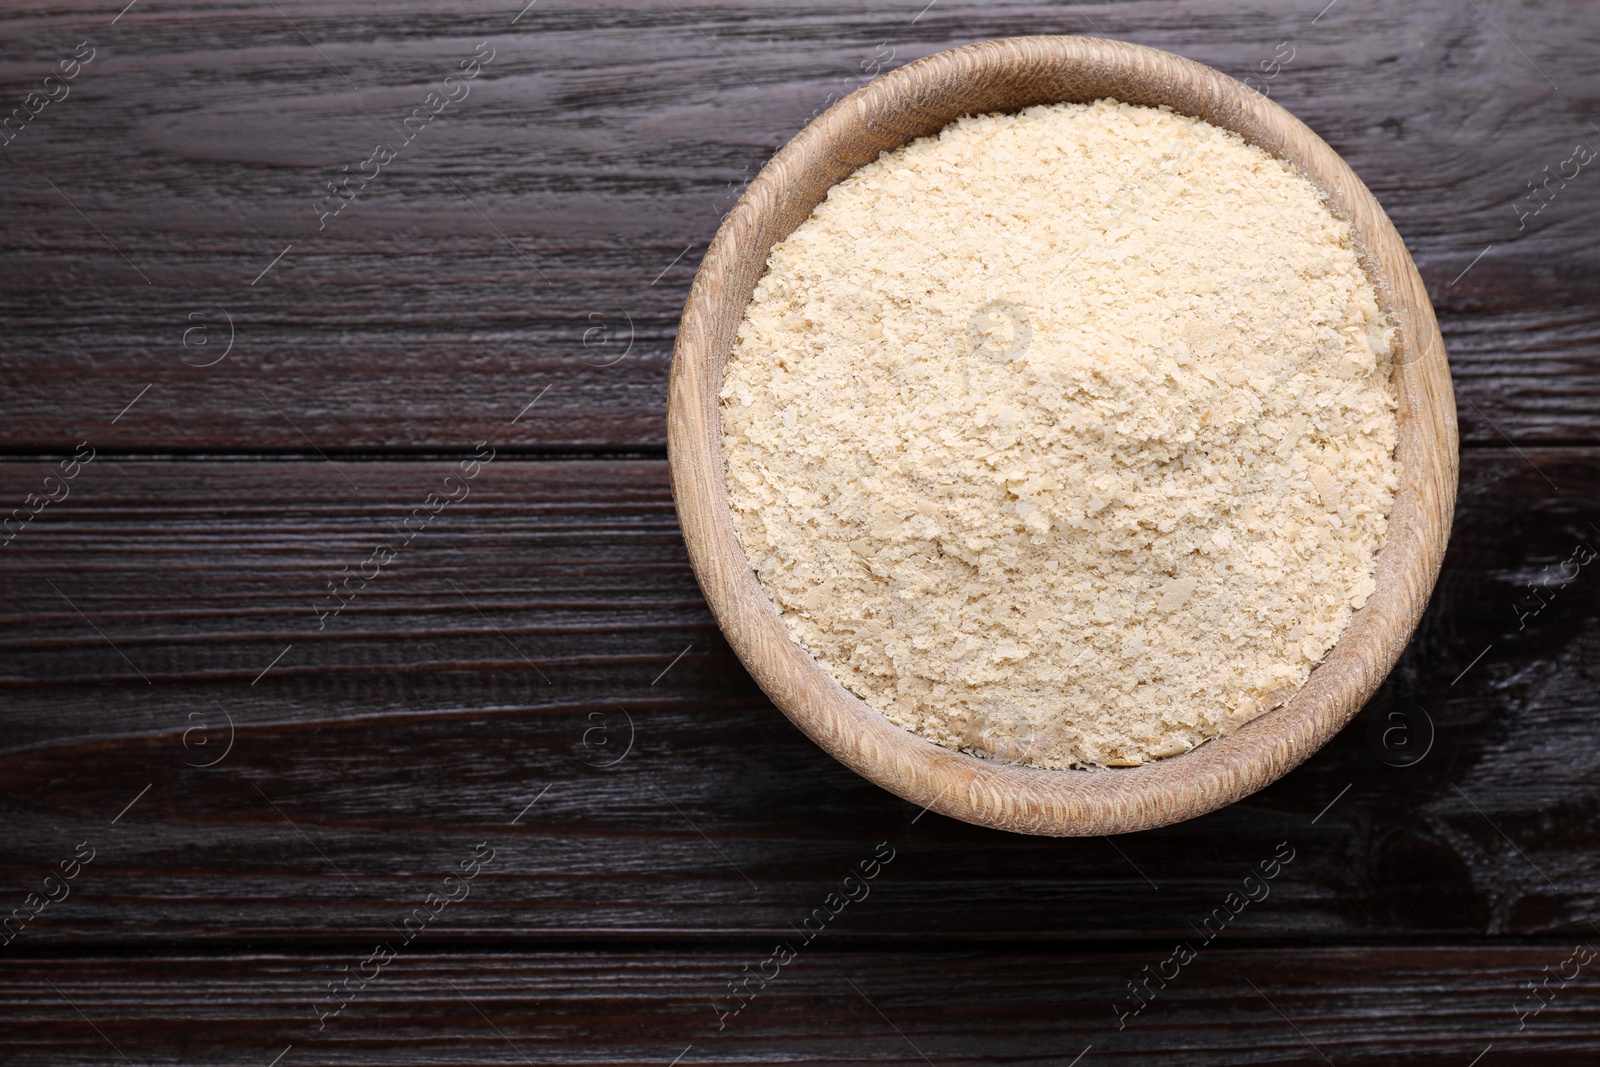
<point>919,99</point>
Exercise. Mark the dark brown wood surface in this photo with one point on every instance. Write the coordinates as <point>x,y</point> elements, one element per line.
<point>520,239</point>
<point>1226,1008</point>
<point>516,644</point>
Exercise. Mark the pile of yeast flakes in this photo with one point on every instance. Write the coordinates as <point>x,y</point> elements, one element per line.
<point>1065,437</point>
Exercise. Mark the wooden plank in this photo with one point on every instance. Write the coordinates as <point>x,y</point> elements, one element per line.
<point>543,231</point>
<point>1419,1006</point>
<point>368,754</point>
<point>554,583</point>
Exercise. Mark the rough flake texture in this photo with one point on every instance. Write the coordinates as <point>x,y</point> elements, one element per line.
<point>1065,437</point>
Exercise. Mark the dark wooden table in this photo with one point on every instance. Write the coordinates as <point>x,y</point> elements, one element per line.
<point>360,707</point>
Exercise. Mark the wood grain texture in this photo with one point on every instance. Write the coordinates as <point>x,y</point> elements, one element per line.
<point>1417,1006</point>
<point>555,583</point>
<point>605,139</point>
<point>915,101</point>
<point>199,138</point>
<point>410,728</point>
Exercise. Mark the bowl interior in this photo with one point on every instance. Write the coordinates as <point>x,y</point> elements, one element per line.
<point>919,99</point>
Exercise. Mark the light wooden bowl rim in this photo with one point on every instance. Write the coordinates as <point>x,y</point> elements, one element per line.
<point>920,98</point>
